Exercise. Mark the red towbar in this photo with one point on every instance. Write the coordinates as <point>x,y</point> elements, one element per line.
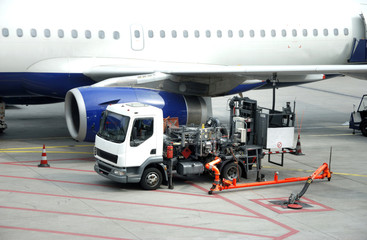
<point>322,172</point>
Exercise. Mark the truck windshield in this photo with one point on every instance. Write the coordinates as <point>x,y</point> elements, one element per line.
<point>113,127</point>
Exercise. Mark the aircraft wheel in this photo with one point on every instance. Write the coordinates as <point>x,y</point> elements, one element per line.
<point>364,128</point>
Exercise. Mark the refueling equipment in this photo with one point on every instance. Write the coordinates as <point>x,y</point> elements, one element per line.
<point>132,145</point>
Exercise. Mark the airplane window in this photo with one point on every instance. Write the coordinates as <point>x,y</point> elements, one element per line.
<point>294,33</point>
<point>150,34</point>
<point>162,34</point>
<point>74,33</point>
<point>305,33</point>
<point>315,32</point>
<point>60,33</point>
<point>116,35</point>
<point>219,33</point>
<point>185,34</point>
<point>101,34</point>
<point>33,32</point>
<point>47,33</point>
<point>19,32</point>
<point>88,34</point>
<point>174,33</point>
<point>208,34</point>
<point>137,34</point>
<point>273,33</point>
<point>197,33</point>
<point>5,32</point>
<point>326,32</point>
<point>252,33</point>
<point>346,31</point>
<point>336,32</point>
<point>284,33</point>
<point>230,33</point>
<point>241,34</point>
<point>262,33</point>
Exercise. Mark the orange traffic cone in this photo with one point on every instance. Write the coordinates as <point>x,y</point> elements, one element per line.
<point>44,158</point>
<point>298,147</point>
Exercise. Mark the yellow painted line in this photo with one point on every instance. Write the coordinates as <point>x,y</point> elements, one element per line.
<point>331,135</point>
<point>350,174</point>
<point>47,147</point>
<point>338,126</point>
<point>46,152</point>
<point>25,139</point>
<point>303,170</point>
<point>289,169</point>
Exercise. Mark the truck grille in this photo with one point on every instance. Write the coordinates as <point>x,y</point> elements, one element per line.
<point>104,169</point>
<point>108,156</point>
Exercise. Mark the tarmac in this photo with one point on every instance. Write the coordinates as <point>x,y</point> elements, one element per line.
<point>70,201</point>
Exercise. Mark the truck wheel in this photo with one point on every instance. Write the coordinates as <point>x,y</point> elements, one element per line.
<point>231,171</point>
<point>364,128</point>
<point>151,179</point>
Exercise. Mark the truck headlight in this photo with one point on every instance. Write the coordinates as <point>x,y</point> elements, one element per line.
<point>118,172</point>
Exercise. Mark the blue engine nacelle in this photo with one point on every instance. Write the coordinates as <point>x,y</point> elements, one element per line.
<point>84,106</point>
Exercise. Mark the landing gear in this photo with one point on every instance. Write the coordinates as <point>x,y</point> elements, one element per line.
<point>274,80</point>
<point>3,125</point>
<point>364,128</point>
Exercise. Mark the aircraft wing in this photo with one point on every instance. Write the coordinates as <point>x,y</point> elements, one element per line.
<point>104,72</point>
<point>211,80</point>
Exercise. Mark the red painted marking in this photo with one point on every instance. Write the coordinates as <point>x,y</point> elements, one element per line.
<point>54,160</point>
<point>68,169</point>
<point>183,193</point>
<point>278,209</point>
<point>125,202</point>
<point>60,232</point>
<point>136,221</point>
<point>101,185</point>
<point>291,230</point>
<point>60,181</point>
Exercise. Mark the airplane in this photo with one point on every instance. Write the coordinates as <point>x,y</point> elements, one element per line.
<point>175,55</point>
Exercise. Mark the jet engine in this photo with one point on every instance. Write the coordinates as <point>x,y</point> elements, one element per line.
<point>84,107</point>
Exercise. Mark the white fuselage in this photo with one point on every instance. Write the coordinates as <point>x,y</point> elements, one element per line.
<point>73,36</point>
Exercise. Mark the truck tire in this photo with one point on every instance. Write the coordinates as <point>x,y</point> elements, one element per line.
<point>151,179</point>
<point>231,171</point>
<point>364,128</point>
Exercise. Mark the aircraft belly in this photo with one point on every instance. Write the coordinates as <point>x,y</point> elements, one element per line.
<point>40,84</point>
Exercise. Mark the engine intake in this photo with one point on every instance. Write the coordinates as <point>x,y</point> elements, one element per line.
<point>84,106</point>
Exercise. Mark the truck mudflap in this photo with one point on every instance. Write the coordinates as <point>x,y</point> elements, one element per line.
<point>163,169</point>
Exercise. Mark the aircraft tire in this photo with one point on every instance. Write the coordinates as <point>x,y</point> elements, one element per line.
<point>364,128</point>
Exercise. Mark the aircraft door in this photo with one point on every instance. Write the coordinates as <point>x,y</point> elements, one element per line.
<point>137,37</point>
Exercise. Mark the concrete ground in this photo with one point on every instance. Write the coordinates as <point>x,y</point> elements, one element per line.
<point>69,200</point>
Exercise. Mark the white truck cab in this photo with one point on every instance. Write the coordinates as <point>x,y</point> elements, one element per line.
<point>129,144</point>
